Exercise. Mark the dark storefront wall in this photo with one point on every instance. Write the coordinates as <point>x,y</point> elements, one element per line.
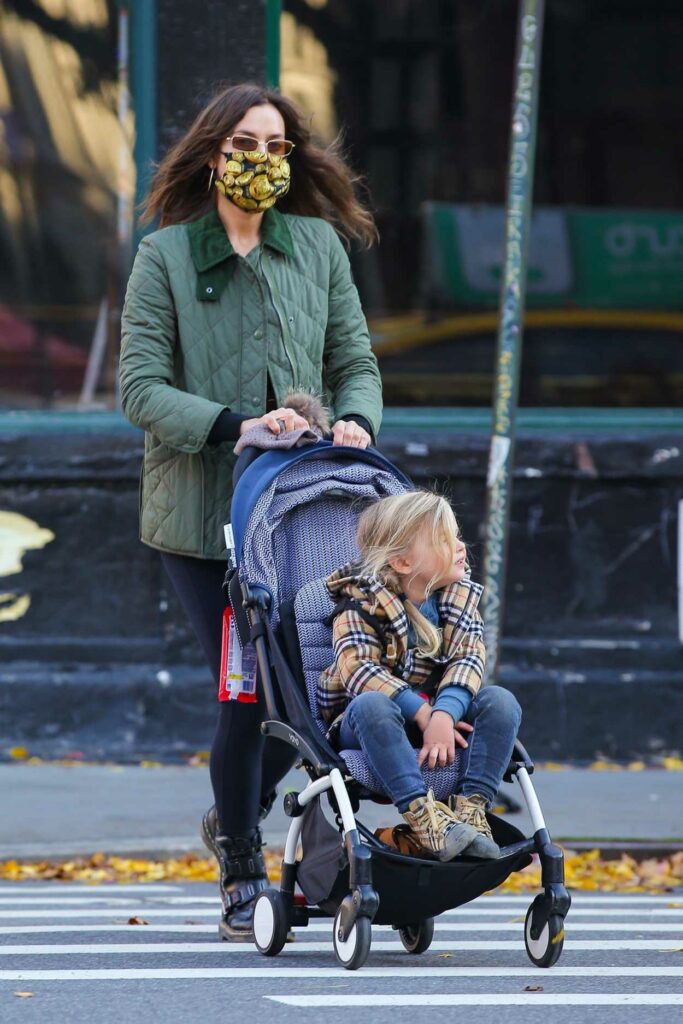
<point>104,663</point>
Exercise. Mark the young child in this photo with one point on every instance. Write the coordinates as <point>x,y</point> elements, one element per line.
<point>408,661</point>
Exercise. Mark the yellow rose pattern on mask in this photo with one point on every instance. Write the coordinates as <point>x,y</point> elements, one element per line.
<point>255,181</point>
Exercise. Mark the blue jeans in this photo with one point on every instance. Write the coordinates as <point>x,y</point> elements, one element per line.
<point>374,724</point>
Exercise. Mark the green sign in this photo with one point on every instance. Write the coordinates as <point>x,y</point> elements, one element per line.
<point>578,258</point>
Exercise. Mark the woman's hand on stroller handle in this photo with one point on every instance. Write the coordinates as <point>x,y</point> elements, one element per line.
<point>278,421</point>
<point>350,433</point>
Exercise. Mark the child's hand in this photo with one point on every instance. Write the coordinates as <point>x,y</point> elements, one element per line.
<point>439,741</point>
<point>423,716</point>
<point>462,726</point>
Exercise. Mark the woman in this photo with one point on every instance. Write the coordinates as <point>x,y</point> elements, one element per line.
<point>243,295</point>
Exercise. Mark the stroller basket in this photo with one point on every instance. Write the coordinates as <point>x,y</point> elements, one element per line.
<point>410,889</point>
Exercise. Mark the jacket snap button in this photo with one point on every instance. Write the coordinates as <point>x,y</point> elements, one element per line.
<point>209,291</point>
<point>258,333</point>
<point>254,401</point>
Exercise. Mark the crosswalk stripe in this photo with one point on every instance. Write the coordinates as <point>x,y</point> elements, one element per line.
<point>258,973</point>
<point>73,901</point>
<point>487,999</point>
<point>439,945</point>
<point>638,899</point>
<point>48,929</point>
<point>219,948</point>
<point>214,902</point>
<point>210,929</point>
<point>95,889</point>
<point>575,912</point>
<point>486,904</point>
<point>121,911</point>
<point>315,926</point>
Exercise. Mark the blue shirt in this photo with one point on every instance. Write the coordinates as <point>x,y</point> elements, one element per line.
<point>453,699</point>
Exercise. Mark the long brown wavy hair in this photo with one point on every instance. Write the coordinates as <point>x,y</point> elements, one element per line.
<point>322,182</point>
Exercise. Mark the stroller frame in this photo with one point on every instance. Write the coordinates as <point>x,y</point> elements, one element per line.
<point>276,910</point>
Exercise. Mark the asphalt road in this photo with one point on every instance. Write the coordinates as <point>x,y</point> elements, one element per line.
<point>50,811</point>
<point>70,946</point>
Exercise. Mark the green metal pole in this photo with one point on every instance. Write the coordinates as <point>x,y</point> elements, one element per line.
<point>510,328</point>
<point>144,81</point>
<point>273,11</point>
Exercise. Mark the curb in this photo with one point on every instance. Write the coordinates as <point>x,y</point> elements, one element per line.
<point>613,849</point>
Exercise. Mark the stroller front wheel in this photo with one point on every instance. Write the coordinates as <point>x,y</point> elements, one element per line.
<point>271,922</point>
<point>546,949</point>
<point>353,952</point>
<point>417,938</point>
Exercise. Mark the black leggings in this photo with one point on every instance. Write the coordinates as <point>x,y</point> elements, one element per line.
<point>245,768</point>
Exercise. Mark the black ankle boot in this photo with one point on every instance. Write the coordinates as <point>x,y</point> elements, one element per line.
<point>242,876</point>
<point>210,829</point>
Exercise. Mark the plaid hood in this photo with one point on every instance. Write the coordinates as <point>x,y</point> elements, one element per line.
<point>371,592</point>
<point>378,599</point>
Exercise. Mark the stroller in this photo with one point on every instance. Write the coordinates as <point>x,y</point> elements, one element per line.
<point>294,517</point>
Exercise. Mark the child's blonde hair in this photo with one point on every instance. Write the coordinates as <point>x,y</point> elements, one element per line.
<point>387,529</point>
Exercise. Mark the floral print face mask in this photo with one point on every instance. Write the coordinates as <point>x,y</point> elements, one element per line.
<point>255,181</point>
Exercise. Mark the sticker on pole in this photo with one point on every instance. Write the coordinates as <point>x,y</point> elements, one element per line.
<point>238,666</point>
<point>500,448</point>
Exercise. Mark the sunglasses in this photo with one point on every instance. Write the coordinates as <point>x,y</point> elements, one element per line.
<point>248,144</point>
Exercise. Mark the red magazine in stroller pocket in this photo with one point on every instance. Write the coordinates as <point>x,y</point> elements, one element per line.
<point>238,666</point>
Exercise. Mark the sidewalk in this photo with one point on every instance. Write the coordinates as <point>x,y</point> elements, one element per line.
<point>52,811</point>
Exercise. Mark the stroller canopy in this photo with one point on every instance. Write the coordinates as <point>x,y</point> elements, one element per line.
<point>262,472</point>
<point>294,513</point>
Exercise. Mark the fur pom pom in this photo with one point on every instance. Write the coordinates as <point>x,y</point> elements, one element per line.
<point>309,406</point>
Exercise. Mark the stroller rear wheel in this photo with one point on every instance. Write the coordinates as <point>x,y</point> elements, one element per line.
<point>271,922</point>
<point>417,938</point>
<point>546,949</point>
<point>353,952</point>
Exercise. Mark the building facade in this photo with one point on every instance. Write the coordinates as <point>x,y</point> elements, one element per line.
<point>92,92</point>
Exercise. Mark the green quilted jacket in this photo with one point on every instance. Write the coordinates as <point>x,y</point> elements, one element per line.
<point>201,331</point>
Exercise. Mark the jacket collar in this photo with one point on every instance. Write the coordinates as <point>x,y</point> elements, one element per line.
<point>456,598</point>
<point>210,245</point>
<point>452,600</point>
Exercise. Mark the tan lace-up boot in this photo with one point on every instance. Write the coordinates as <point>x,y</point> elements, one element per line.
<point>471,810</point>
<point>437,829</point>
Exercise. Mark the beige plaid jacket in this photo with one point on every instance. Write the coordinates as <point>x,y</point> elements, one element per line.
<point>365,658</point>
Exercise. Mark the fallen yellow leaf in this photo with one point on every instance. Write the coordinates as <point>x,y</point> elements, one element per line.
<point>24,995</point>
<point>586,871</point>
<point>18,753</point>
<point>199,759</point>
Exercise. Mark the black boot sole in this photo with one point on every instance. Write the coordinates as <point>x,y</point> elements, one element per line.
<point>228,934</point>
